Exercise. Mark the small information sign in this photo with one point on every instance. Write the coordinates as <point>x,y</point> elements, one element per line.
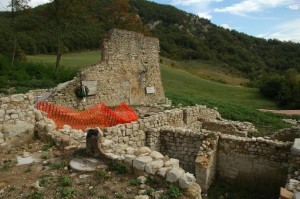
<point>150,90</point>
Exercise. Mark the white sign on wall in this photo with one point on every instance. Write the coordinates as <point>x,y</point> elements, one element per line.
<point>92,86</point>
<point>150,90</point>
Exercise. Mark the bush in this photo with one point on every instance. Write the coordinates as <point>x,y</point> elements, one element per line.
<point>117,167</point>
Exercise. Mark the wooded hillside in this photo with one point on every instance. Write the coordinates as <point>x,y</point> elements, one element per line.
<point>67,26</point>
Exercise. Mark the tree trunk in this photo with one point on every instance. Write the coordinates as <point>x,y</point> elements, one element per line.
<point>58,57</point>
<point>14,50</point>
<point>14,32</point>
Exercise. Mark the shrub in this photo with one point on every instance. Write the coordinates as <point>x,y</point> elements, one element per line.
<point>67,192</point>
<point>117,167</point>
<point>65,181</point>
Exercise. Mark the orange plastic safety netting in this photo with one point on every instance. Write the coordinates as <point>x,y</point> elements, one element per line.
<point>96,116</point>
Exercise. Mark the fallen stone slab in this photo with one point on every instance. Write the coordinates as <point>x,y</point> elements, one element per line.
<point>28,158</point>
<point>85,164</point>
<point>141,197</point>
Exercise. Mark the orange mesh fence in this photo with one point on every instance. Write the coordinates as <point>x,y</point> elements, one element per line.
<point>96,116</point>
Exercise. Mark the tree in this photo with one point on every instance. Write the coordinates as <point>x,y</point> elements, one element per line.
<point>63,13</point>
<point>118,15</point>
<point>16,6</point>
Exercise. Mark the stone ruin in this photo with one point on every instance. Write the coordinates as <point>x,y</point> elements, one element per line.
<point>190,146</point>
<point>129,72</point>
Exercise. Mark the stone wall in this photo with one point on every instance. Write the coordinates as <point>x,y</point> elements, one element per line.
<point>130,64</point>
<point>17,119</point>
<point>182,144</point>
<point>249,157</point>
<point>177,133</point>
<point>287,134</point>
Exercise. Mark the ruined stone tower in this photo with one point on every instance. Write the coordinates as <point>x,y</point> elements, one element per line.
<point>129,72</point>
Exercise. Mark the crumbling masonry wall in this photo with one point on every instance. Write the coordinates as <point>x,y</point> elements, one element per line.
<point>17,119</point>
<point>240,157</point>
<point>130,64</point>
<point>205,153</point>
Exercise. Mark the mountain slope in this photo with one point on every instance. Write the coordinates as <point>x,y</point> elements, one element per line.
<point>183,36</point>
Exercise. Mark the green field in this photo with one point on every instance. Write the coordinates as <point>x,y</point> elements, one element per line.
<point>182,83</point>
<point>233,102</point>
<point>79,60</point>
<point>216,72</point>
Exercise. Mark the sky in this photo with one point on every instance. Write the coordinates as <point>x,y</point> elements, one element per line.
<point>279,19</point>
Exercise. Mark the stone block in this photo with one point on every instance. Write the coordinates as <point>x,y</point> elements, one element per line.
<point>129,159</point>
<point>17,128</point>
<point>5,99</point>
<point>193,191</point>
<point>285,194</point>
<point>17,98</point>
<point>142,151</point>
<point>153,167</point>
<point>156,155</point>
<point>173,163</point>
<point>174,174</point>
<point>186,180</point>
<point>38,115</point>
<point>296,147</point>
<point>2,113</point>
<point>163,171</point>
<point>140,162</point>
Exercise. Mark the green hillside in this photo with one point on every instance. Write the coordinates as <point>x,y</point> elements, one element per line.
<point>183,36</point>
<point>233,102</point>
<point>182,83</point>
<point>216,71</point>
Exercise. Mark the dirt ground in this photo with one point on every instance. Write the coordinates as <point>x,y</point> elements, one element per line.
<point>285,112</point>
<point>51,177</point>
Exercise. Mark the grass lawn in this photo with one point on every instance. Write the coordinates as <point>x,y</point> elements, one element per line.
<point>233,102</point>
<point>77,60</point>
<point>182,83</point>
<point>216,72</point>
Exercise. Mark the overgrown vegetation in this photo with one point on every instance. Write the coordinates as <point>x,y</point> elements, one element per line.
<point>266,123</point>
<point>172,193</point>
<point>182,35</point>
<point>284,89</point>
<point>24,76</point>
<point>117,167</point>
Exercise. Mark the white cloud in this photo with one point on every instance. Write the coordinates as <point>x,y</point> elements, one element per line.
<point>294,7</point>
<point>33,3</point>
<point>190,2</point>
<point>249,6</point>
<point>289,31</point>
<point>205,15</point>
<point>226,26</point>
